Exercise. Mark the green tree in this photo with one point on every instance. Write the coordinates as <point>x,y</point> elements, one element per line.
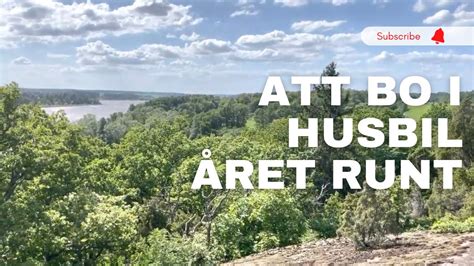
<point>89,125</point>
<point>163,248</point>
<point>463,127</point>
<point>442,202</point>
<point>259,221</point>
<point>370,215</point>
<point>326,222</point>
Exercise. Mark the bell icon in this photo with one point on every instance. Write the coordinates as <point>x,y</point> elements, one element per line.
<point>438,36</point>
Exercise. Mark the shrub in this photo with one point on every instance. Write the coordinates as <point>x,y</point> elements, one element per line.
<point>468,208</point>
<point>327,221</point>
<point>163,248</point>
<point>456,201</point>
<point>262,220</point>
<point>266,241</point>
<point>449,224</point>
<point>369,216</point>
<point>421,223</point>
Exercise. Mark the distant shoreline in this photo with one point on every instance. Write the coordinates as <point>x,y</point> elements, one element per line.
<point>87,104</point>
<point>67,105</point>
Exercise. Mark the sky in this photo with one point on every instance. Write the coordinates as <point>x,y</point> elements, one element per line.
<point>220,47</point>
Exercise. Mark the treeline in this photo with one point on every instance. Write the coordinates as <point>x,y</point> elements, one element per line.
<point>49,97</point>
<point>52,97</point>
<point>118,190</point>
<point>133,95</point>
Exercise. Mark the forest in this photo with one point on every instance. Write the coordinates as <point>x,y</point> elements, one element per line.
<point>118,190</point>
<point>47,97</point>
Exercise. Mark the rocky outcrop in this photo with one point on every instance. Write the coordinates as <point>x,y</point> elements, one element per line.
<point>408,248</point>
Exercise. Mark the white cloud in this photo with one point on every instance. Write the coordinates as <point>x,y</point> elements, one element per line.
<point>299,47</point>
<point>439,17</point>
<point>292,3</point>
<point>57,56</point>
<point>423,5</point>
<point>261,40</point>
<point>99,53</point>
<point>380,2</point>
<point>209,47</point>
<point>383,56</point>
<point>345,57</point>
<point>419,6</point>
<point>442,3</point>
<point>52,21</point>
<point>244,12</point>
<point>21,61</point>
<point>436,57</point>
<point>181,62</point>
<point>190,38</point>
<point>279,39</point>
<point>423,57</point>
<point>460,17</point>
<point>247,2</point>
<point>339,2</point>
<point>311,25</point>
<point>260,55</point>
<point>272,46</point>
<point>247,8</point>
<point>463,17</point>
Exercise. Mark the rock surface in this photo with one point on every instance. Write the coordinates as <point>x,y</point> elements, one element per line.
<point>412,248</point>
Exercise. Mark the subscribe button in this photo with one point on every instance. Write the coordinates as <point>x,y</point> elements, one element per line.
<point>423,36</point>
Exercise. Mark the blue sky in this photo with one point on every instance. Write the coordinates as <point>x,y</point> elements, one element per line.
<point>219,46</point>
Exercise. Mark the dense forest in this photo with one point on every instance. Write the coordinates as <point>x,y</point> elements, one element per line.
<point>118,190</point>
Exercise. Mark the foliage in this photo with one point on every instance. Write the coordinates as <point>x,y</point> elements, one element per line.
<point>449,224</point>
<point>463,127</point>
<point>420,223</point>
<point>163,248</point>
<point>370,215</point>
<point>58,97</point>
<point>259,221</point>
<point>118,190</point>
<point>442,202</point>
<point>417,112</point>
<point>327,221</point>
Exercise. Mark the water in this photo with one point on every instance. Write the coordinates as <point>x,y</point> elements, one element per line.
<point>105,109</point>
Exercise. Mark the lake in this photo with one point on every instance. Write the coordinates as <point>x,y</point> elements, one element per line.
<point>103,110</point>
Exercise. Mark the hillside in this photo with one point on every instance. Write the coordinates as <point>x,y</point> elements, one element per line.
<point>408,248</point>
<point>119,190</point>
<point>416,112</point>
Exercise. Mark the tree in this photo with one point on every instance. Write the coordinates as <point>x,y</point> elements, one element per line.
<point>463,127</point>
<point>89,125</point>
<point>50,212</point>
<point>370,215</point>
<point>442,202</point>
<point>199,208</point>
<point>9,96</point>
<point>326,222</point>
<point>259,221</point>
<point>84,228</point>
<point>324,154</point>
<point>147,157</point>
